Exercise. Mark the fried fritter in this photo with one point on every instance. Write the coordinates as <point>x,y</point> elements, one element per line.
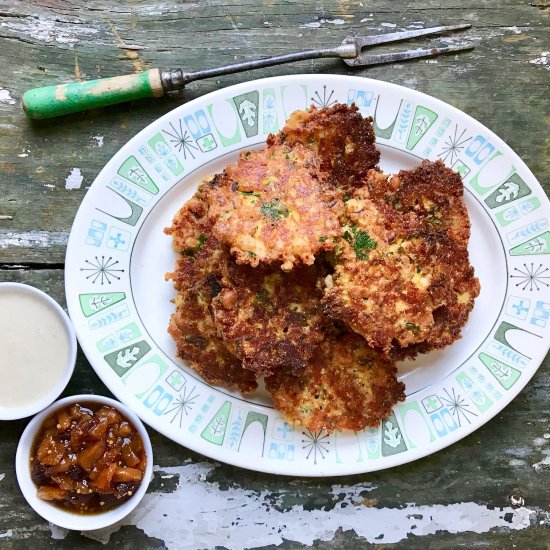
<point>346,386</point>
<point>197,279</point>
<point>192,328</point>
<point>403,279</point>
<point>343,139</point>
<point>271,319</point>
<point>191,226</point>
<point>271,206</point>
<point>432,191</point>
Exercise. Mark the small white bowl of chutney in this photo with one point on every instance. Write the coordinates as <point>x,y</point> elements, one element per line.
<point>37,350</point>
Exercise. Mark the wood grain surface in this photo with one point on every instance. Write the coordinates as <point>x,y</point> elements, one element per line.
<point>490,490</point>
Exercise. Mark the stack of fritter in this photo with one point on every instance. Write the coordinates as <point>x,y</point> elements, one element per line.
<point>306,265</point>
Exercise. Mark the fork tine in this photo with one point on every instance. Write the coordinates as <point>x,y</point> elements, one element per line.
<point>405,35</point>
<point>368,60</point>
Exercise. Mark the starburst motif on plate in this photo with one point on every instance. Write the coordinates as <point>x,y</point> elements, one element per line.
<point>316,444</point>
<point>102,270</point>
<point>325,101</point>
<point>531,277</point>
<point>182,405</point>
<point>181,140</point>
<point>454,144</point>
<point>459,407</point>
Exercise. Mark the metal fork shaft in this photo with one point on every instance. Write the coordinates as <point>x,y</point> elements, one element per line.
<point>176,79</point>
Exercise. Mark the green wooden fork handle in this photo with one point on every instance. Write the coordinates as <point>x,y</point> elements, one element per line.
<point>52,101</point>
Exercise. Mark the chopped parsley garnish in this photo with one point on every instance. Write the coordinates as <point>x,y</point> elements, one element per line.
<point>415,329</point>
<point>361,241</point>
<point>192,251</point>
<point>274,209</point>
<point>262,296</point>
<point>434,221</point>
<point>323,239</point>
<point>251,254</point>
<point>250,194</point>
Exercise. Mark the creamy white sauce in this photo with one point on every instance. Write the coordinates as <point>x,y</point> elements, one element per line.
<point>34,348</point>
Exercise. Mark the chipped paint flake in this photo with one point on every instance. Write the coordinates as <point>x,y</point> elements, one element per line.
<point>450,40</point>
<point>47,30</point>
<point>388,25</point>
<point>33,239</point>
<point>74,179</point>
<point>542,61</point>
<point>317,24</point>
<point>155,9</point>
<point>517,463</point>
<point>542,444</point>
<point>6,534</point>
<point>5,97</point>
<point>98,141</point>
<point>58,533</point>
<point>2,476</point>
<point>234,517</point>
<point>313,25</point>
<point>411,82</point>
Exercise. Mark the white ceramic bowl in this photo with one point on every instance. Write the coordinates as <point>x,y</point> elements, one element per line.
<point>53,514</point>
<point>12,413</point>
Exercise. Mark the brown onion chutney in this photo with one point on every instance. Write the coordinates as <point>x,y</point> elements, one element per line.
<point>87,458</point>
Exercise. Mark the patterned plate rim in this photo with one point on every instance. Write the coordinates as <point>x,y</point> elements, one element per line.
<point>391,444</point>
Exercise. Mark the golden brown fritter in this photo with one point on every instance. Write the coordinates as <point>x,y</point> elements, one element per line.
<point>340,135</point>
<point>271,206</point>
<point>191,226</point>
<point>192,328</point>
<point>197,279</point>
<point>432,191</point>
<point>403,278</point>
<point>271,319</point>
<point>346,386</point>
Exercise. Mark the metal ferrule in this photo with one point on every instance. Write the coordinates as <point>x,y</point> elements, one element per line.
<point>173,79</point>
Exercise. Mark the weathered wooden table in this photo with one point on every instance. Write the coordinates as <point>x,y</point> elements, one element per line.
<point>490,490</point>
